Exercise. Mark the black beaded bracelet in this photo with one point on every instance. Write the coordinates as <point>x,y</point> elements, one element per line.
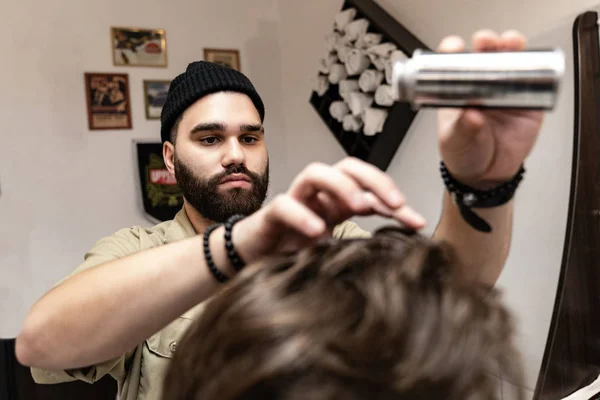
<point>467,197</point>
<point>234,257</point>
<point>219,276</point>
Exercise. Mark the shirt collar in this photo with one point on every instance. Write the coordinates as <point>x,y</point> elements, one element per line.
<point>181,228</point>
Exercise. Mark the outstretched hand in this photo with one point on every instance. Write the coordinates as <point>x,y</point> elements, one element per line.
<point>319,198</point>
<point>483,148</point>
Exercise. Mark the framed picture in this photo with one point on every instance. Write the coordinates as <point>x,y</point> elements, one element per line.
<point>139,47</point>
<point>227,57</point>
<point>161,197</point>
<point>155,94</point>
<point>108,101</point>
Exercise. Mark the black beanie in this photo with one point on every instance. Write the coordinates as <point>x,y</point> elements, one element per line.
<point>200,79</point>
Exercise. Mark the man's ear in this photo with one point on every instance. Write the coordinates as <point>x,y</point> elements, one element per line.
<point>169,157</point>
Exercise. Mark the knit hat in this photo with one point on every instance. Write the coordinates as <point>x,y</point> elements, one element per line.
<point>200,79</point>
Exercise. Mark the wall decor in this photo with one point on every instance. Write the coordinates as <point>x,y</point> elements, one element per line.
<point>227,57</point>
<point>155,95</point>
<point>352,92</point>
<point>139,47</point>
<point>161,197</point>
<point>108,101</point>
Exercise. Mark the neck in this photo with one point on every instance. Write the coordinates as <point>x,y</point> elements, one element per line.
<point>198,221</point>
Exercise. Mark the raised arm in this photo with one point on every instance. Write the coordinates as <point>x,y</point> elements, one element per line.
<point>484,149</point>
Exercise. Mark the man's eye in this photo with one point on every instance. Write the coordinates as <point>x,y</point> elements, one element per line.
<point>249,139</point>
<point>209,140</point>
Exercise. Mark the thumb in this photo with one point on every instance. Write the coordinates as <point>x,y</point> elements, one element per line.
<point>458,130</point>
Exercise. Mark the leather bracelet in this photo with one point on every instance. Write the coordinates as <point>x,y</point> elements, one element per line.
<point>466,197</point>
<point>219,276</point>
<point>234,257</point>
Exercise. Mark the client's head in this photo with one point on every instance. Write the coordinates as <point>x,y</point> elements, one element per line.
<point>379,318</point>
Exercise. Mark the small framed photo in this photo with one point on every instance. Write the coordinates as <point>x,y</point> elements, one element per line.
<point>139,47</point>
<point>226,57</point>
<point>155,94</point>
<point>108,101</point>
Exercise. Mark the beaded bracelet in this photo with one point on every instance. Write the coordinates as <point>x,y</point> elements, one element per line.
<point>467,197</point>
<point>234,257</point>
<point>219,276</point>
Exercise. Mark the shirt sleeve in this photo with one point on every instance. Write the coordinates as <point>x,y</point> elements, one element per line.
<point>350,230</point>
<point>121,244</point>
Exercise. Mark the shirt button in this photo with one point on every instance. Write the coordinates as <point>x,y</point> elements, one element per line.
<point>173,346</point>
<point>165,241</point>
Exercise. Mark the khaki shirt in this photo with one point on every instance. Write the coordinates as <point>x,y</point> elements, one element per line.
<point>140,372</point>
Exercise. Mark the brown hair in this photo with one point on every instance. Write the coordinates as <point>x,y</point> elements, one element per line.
<point>378,318</point>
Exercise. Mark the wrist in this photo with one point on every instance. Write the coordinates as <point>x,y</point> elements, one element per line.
<point>482,184</point>
<point>479,183</point>
<point>467,197</point>
<point>221,253</point>
<point>242,242</point>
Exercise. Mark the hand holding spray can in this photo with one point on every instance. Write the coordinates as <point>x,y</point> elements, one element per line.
<point>518,80</point>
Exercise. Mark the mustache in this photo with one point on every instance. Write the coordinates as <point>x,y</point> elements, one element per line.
<point>235,169</point>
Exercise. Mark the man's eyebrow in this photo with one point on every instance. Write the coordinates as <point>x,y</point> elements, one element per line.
<point>252,128</point>
<point>209,127</point>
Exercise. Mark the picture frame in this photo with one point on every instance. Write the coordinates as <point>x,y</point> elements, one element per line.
<point>226,57</point>
<point>159,195</point>
<point>139,47</point>
<point>155,95</point>
<point>108,101</point>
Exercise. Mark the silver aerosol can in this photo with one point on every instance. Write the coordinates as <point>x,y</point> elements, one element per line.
<point>519,80</point>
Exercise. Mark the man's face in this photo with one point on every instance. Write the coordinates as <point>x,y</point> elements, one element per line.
<point>220,159</point>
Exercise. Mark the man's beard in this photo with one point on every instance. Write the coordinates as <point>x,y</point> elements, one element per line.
<point>218,206</point>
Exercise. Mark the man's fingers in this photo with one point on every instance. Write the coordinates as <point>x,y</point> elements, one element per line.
<point>512,41</point>
<point>335,213</point>
<point>451,44</point>
<point>284,210</point>
<point>351,187</point>
<point>320,177</point>
<point>403,214</point>
<point>372,179</point>
<point>471,121</point>
<point>330,209</point>
<point>488,40</point>
<point>410,217</point>
<point>485,40</point>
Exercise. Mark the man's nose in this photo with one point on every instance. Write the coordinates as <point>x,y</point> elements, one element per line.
<point>233,153</point>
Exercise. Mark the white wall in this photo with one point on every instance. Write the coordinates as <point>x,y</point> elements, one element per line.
<point>64,187</point>
<point>530,277</point>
